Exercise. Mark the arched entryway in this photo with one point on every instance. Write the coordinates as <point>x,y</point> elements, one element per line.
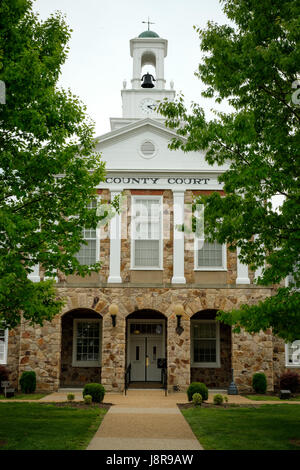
<point>146,348</point>
<point>210,350</point>
<point>81,344</point>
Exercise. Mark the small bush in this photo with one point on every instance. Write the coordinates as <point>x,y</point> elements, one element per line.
<point>71,397</point>
<point>197,399</point>
<point>218,399</point>
<point>259,382</point>
<point>290,381</point>
<point>28,381</point>
<point>3,375</point>
<point>87,399</point>
<point>97,392</point>
<point>225,398</point>
<point>197,387</point>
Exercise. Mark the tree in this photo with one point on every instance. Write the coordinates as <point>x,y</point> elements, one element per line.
<point>48,165</point>
<point>253,64</point>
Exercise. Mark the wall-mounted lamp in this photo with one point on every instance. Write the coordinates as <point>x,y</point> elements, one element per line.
<point>113,310</point>
<point>179,311</point>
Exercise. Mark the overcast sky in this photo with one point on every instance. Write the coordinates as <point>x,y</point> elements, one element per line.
<point>99,58</point>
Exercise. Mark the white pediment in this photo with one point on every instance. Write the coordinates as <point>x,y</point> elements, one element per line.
<point>122,149</point>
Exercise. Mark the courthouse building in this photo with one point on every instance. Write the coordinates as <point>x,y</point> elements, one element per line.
<point>152,307</point>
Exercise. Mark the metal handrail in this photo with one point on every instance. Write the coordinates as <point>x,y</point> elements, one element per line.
<point>127,378</point>
<point>164,379</point>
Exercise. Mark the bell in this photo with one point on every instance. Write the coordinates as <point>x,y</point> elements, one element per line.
<point>147,80</point>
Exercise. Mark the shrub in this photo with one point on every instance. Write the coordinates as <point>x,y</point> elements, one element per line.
<point>225,398</point>
<point>28,381</point>
<point>290,381</point>
<point>197,399</point>
<point>3,375</point>
<point>218,399</point>
<point>97,392</point>
<point>259,382</point>
<point>70,396</point>
<point>197,387</point>
<point>87,399</point>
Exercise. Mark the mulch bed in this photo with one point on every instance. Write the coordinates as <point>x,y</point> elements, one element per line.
<point>225,405</point>
<point>79,404</point>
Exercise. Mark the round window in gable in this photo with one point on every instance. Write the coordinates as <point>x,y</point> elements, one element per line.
<point>148,149</point>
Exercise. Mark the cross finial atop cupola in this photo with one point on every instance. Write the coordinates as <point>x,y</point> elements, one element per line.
<point>149,22</point>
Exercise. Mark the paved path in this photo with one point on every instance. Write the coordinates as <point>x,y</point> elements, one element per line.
<point>144,420</point>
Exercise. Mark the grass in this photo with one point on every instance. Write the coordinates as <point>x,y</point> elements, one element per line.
<point>267,427</point>
<point>270,398</point>
<point>25,396</point>
<point>37,426</point>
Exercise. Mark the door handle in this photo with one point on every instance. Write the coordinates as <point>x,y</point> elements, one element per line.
<point>147,361</point>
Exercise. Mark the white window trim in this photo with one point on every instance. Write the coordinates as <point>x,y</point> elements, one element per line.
<point>209,268</point>
<point>213,365</point>
<point>76,363</point>
<point>287,363</point>
<point>146,268</point>
<point>4,360</point>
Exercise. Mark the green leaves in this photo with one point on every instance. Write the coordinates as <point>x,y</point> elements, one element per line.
<point>49,166</point>
<point>253,64</point>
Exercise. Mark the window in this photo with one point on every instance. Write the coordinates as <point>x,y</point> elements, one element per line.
<point>89,254</point>
<point>292,354</point>
<point>87,343</point>
<point>205,343</point>
<point>146,233</point>
<point>3,345</point>
<point>209,256</point>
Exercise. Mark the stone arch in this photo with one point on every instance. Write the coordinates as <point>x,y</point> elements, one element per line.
<point>73,374</point>
<point>216,374</point>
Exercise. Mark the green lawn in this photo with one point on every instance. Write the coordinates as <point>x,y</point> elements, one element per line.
<point>268,427</point>
<point>25,396</point>
<point>270,398</point>
<point>38,426</point>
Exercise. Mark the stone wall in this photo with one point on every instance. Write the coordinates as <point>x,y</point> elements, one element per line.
<point>13,352</point>
<point>40,347</point>
<point>40,351</point>
<point>250,354</point>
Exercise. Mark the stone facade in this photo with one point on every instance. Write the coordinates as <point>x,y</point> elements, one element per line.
<point>46,349</point>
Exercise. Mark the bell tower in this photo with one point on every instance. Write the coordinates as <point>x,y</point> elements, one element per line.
<point>147,89</point>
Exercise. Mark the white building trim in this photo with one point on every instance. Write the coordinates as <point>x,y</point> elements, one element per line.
<point>4,347</point>
<point>242,270</point>
<point>178,237</point>
<point>115,245</point>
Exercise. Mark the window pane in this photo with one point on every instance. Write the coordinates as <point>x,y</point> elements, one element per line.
<point>204,350</point>
<point>205,330</point>
<point>87,341</point>
<point>87,253</point>
<point>147,253</point>
<point>147,232</point>
<point>210,255</point>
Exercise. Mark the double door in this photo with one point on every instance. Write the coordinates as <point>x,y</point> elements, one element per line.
<point>143,355</point>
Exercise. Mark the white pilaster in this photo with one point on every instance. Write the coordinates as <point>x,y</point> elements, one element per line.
<point>115,246</point>
<point>242,271</point>
<point>178,241</point>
